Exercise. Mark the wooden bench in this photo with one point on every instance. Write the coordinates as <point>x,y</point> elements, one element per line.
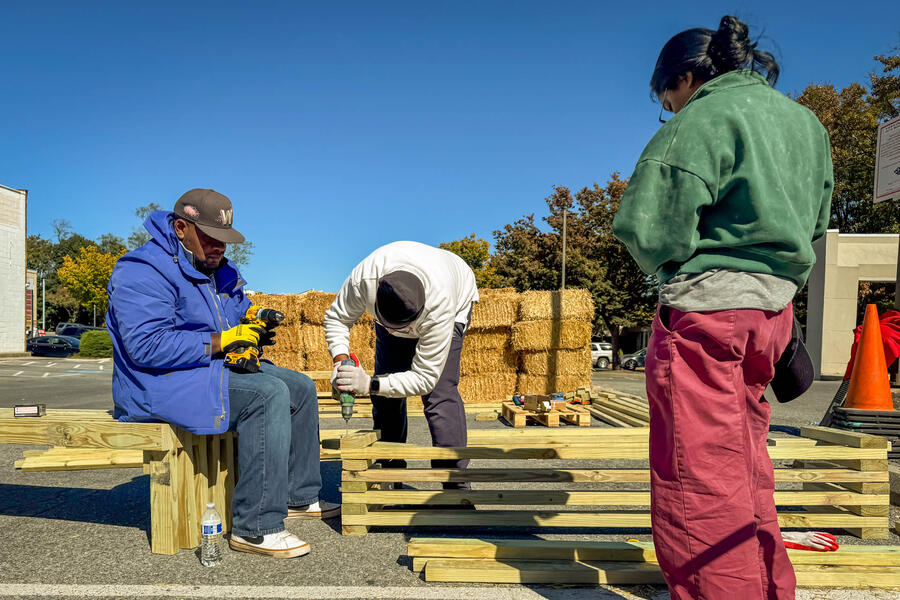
<point>186,471</point>
<point>846,489</point>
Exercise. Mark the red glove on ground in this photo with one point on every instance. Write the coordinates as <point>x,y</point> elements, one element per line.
<point>810,540</point>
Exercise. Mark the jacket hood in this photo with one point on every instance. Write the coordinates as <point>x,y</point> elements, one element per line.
<point>159,225</point>
<point>728,80</point>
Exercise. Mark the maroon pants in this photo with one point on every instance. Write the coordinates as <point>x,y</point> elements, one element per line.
<point>714,524</point>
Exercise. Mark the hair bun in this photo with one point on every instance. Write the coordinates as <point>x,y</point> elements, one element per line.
<point>730,47</point>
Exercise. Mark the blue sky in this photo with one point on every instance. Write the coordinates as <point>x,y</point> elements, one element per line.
<point>337,127</point>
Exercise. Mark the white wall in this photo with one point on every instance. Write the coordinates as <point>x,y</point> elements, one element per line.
<point>12,269</point>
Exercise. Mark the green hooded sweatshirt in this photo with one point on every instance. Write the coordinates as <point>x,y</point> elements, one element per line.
<point>739,179</point>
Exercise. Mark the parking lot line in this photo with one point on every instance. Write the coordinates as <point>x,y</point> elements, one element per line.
<point>305,592</point>
<point>45,374</point>
<point>51,364</point>
<point>76,366</point>
<point>28,363</point>
<point>18,373</point>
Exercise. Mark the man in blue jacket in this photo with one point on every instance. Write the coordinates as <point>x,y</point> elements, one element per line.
<point>175,306</point>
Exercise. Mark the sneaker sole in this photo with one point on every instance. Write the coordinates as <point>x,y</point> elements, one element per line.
<point>286,553</point>
<point>328,514</point>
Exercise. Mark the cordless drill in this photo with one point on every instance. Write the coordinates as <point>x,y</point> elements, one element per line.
<point>246,360</point>
<point>346,398</point>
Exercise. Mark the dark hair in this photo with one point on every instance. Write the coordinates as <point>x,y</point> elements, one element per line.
<point>706,54</point>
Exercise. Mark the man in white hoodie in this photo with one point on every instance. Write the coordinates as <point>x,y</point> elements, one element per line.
<point>422,300</point>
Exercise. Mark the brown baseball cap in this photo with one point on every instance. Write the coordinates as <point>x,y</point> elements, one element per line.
<point>211,212</point>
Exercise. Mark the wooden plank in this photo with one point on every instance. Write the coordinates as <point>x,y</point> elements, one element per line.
<point>844,438</point>
<point>113,434</point>
<point>528,518</point>
<point>387,450</point>
<point>201,474</point>
<point>875,505</point>
<point>588,435</point>
<point>77,414</point>
<point>531,572</point>
<point>513,414</point>
<point>361,439</point>
<point>496,475</point>
<point>188,534</point>
<point>791,441</point>
<point>579,498</point>
<point>462,570</point>
<point>576,415</point>
<point>163,502</point>
<point>608,417</point>
<point>620,407</point>
<point>638,451</point>
<point>531,549</point>
<point>218,495</point>
<point>82,459</point>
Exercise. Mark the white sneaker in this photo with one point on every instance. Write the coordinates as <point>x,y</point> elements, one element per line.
<point>279,545</point>
<point>317,510</point>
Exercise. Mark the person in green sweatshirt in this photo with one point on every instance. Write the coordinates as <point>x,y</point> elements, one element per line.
<point>723,207</point>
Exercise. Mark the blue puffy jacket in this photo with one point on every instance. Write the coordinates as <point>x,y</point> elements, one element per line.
<point>161,314</point>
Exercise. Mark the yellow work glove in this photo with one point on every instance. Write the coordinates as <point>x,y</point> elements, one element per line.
<point>241,336</point>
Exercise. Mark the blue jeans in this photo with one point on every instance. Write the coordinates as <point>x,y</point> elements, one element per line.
<point>276,415</point>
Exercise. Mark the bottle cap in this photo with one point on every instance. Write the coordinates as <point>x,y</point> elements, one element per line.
<point>210,505</point>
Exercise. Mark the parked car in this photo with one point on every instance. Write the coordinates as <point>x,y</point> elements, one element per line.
<point>633,361</point>
<point>53,345</point>
<point>74,329</point>
<point>601,354</point>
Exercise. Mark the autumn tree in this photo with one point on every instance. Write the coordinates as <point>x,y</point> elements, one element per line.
<point>526,257</point>
<point>87,275</point>
<point>139,235</point>
<point>477,254</point>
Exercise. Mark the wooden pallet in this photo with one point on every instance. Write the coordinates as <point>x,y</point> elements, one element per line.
<point>850,465</point>
<point>519,417</point>
<point>562,561</point>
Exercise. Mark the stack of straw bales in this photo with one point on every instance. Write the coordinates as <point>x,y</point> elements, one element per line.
<point>552,337</point>
<point>301,337</point>
<point>530,343</point>
<point>488,364</point>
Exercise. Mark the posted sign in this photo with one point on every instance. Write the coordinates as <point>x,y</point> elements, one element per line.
<point>887,161</point>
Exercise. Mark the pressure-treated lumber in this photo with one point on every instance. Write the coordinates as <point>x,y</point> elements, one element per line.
<point>845,438</point>
<point>518,417</point>
<point>112,434</point>
<point>592,572</point>
<point>531,549</point>
<point>80,458</point>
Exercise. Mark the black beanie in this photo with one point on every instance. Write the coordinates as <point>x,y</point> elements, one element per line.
<point>399,300</point>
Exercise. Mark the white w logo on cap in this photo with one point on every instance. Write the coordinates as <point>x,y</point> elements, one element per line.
<point>226,216</point>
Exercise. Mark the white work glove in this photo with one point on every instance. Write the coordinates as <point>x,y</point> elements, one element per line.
<point>810,540</point>
<point>352,379</point>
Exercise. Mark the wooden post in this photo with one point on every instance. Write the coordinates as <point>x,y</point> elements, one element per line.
<point>188,519</point>
<point>164,496</point>
<point>350,489</point>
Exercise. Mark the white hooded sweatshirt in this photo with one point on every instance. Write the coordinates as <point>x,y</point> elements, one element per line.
<point>450,291</point>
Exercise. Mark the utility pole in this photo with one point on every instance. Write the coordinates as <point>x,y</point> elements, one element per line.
<point>43,305</point>
<point>565,218</point>
<point>95,315</point>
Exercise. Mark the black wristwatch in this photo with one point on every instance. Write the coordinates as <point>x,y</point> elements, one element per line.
<point>374,385</point>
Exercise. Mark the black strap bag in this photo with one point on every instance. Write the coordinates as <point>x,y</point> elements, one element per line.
<point>794,372</point>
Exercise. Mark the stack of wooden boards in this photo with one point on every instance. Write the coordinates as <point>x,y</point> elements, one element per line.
<point>851,477</point>
<point>579,562</point>
<point>529,343</point>
<point>618,409</point>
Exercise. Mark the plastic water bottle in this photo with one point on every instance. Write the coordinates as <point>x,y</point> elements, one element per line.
<point>210,533</point>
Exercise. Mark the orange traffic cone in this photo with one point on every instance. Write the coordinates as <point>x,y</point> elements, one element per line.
<point>870,388</point>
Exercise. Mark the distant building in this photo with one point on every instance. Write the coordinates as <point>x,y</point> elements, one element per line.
<point>12,269</point>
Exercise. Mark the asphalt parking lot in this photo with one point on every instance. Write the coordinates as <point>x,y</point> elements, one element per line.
<point>71,534</point>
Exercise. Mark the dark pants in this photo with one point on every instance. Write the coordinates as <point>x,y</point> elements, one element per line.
<point>276,415</point>
<point>444,409</point>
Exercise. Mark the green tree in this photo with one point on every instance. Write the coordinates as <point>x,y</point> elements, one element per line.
<point>477,254</point>
<point>110,243</point>
<point>140,236</point>
<point>64,302</point>
<point>240,254</point>
<point>527,257</point>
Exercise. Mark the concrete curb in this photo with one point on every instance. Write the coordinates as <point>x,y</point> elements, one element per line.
<point>15,354</point>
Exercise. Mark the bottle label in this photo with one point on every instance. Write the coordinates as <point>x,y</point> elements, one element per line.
<point>211,529</point>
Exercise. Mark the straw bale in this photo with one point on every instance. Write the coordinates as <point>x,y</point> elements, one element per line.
<point>362,335</point>
<point>496,308</point>
<point>557,362</point>
<point>289,304</point>
<point>494,360</point>
<point>549,384</point>
<point>312,338</point>
<point>319,360</point>
<point>367,318</point>
<point>487,387</point>
<point>486,339</point>
<point>366,358</point>
<point>287,339</point>
<point>547,335</point>
<point>314,306</point>
<point>566,305</point>
<point>288,360</point>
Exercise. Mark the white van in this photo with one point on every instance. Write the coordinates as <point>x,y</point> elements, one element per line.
<point>601,354</point>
